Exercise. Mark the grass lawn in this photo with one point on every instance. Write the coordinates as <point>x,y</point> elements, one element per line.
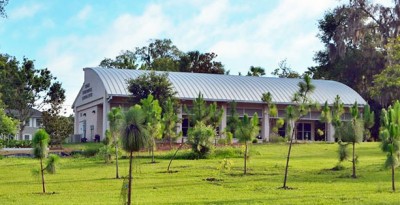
<point>90,181</point>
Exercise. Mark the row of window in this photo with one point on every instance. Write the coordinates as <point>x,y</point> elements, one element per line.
<point>35,122</point>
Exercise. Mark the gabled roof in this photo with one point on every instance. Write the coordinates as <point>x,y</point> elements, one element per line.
<point>227,88</point>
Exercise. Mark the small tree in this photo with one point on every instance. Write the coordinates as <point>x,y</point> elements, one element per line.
<point>247,130</point>
<point>215,117</point>
<point>134,137</point>
<point>199,111</point>
<point>40,142</point>
<point>169,120</point>
<point>153,120</point>
<point>272,111</point>
<point>390,135</point>
<point>302,105</point>
<point>200,137</point>
<point>233,118</point>
<point>326,117</point>
<point>351,133</point>
<point>115,117</point>
<point>369,121</point>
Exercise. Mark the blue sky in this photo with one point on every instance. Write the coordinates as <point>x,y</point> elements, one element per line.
<point>66,36</point>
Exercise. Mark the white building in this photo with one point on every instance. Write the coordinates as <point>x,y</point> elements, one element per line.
<point>104,88</point>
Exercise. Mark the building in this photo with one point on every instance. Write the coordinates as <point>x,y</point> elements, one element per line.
<point>32,124</point>
<point>105,88</point>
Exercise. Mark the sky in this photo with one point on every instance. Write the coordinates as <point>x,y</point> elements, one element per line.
<point>67,36</point>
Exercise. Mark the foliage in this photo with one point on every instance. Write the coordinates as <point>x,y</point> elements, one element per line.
<point>152,110</point>
<point>233,118</point>
<point>15,143</point>
<point>169,120</point>
<point>199,137</point>
<point>256,71</point>
<point>51,163</point>
<point>228,137</point>
<point>369,121</point>
<point>8,125</point>
<point>337,111</point>
<point>215,117</point>
<point>386,83</point>
<point>59,127</point>
<point>152,83</point>
<point>106,153</point>
<point>302,105</point>
<point>273,112</point>
<point>115,117</point>
<point>390,135</point>
<point>157,49</point>
<point>40,142</point>
<point>326,117</point>
<point>3,4</point>
<point>196,62</point>
<point>199,111</point>
<point>125,60</point>
<point>135,136</point>
<point>284,71</point>
<point>247,130</point>
<point>23,87</point>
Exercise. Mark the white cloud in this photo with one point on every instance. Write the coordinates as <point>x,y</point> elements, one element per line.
<point>25,11</point>
<point>84,13</point>
<point>261,39</point>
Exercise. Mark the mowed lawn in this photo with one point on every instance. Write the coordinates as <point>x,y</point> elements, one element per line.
<point>90,181</point>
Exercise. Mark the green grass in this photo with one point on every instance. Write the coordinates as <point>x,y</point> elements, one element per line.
<point>90,181</point>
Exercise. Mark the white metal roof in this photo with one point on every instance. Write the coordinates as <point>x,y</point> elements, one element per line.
<point>216,87</point>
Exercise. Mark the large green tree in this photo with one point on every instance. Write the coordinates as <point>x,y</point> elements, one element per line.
<point>302,105</point>
<point>196,62</point>
<point>152,83</point>
<point>390,136</point>
<point>23,87</point>
<point>157,50</point>
<point>115,117</point>
<point>58,126</point>
<point>134,137</point>
<point>125,60</point>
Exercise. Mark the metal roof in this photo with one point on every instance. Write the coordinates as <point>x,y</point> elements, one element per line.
<point>216,87</point>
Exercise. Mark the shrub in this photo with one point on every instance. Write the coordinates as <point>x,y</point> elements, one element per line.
<point>222,141</point>
<point>90,152</point>
<point>200,138</point>
<point>229,138</point>
<point>276,139</point>
<point>254,141</point>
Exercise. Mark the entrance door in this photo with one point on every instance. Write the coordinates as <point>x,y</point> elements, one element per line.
<point>82,128</point>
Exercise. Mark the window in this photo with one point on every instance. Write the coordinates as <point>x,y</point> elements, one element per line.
<point>27,137</point>
<point>39,122</point>
<point>304,131</point>
<point>27,123</point>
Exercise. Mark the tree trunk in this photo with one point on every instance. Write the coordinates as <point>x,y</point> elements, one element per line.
<point>172,158</point>
<point>152,151</point>
<point>354,161</point>
<point>245,159</point>
<point>287,160</point>
<point>116,159</point>
<point>393,186</point>
<point>130,178</point>
<point>42,172</point>
<point>326,131</point>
